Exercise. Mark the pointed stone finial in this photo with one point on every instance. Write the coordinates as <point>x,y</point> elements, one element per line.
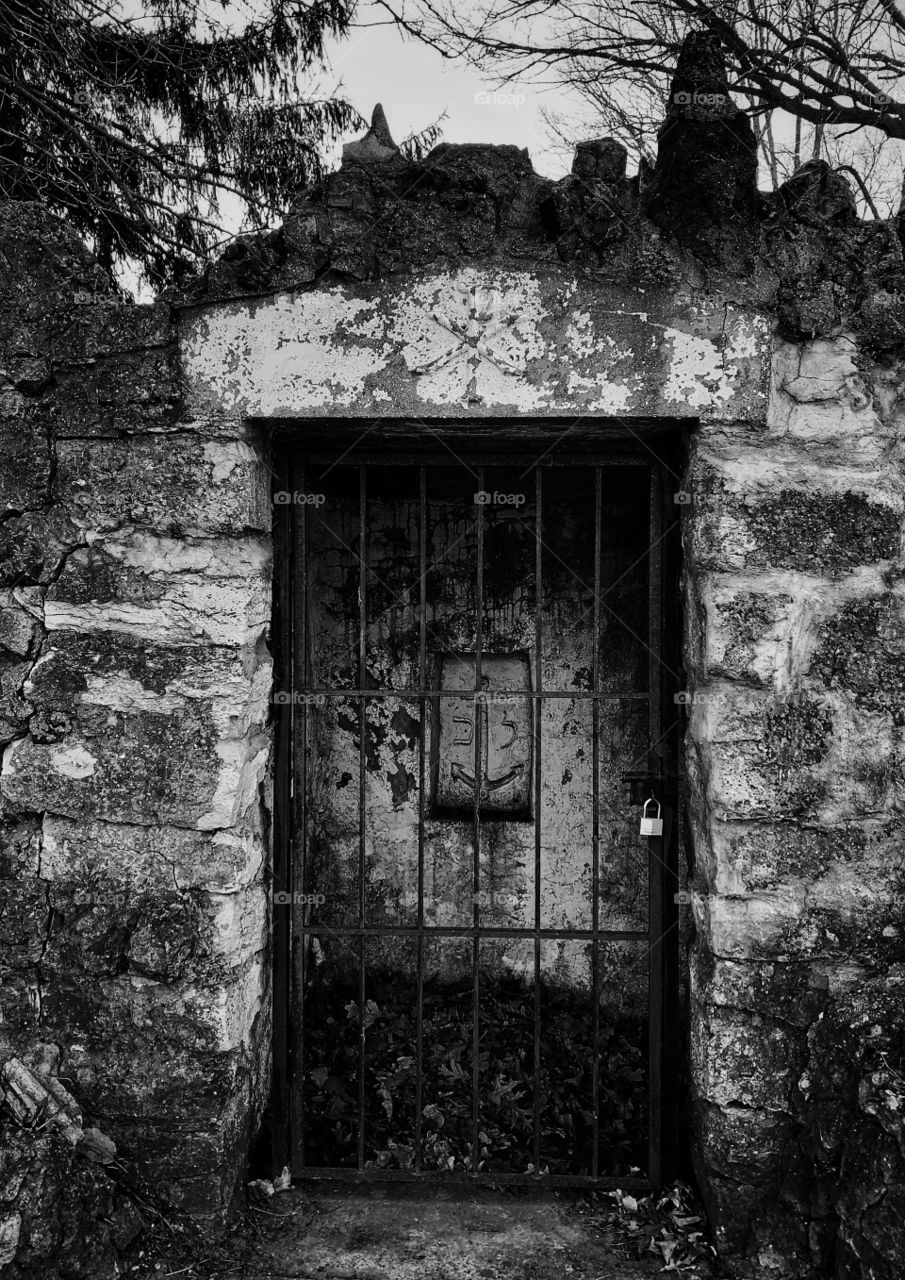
<point>706,171</point>
<point>700,87</point>
<point>380,130</point>
<point>376,145</point>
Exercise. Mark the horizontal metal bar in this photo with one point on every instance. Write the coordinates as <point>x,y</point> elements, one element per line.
<point>438,1176</point>
<point>456,931</point>
<point>583,695</point>
<point>503,460</point>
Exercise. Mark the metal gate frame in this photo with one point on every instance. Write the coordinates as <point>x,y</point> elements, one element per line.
<point>290,610</point>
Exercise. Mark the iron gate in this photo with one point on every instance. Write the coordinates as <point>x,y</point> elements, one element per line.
<point>479,640</point>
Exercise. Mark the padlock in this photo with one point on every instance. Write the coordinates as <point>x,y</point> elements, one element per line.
<point>651,826</point>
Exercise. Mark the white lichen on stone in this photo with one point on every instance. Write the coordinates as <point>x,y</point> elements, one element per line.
<point>74,761</point>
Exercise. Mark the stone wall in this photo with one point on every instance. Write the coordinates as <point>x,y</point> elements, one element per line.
<point>134,607</point>
<point>136,581</point>
<point>796,637</point>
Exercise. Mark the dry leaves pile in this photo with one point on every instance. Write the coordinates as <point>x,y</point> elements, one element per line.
<point>669,1224</point>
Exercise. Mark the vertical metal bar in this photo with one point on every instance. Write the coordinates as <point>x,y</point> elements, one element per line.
<point>283,1084</point>
<point>300,781</point>
<point>537,710</point>
<point>655,861</point>
<point>422,684</point>
<point>476,840</point>
<point>595,827</point>
<point>362,731</point>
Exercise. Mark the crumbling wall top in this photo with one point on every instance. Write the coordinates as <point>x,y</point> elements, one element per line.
<point>696,220</point>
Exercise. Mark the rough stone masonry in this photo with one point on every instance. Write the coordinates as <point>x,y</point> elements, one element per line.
<point>136,561</point>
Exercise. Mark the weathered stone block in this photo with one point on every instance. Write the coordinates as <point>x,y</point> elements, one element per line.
<point>14,709</point>
<point>25,464</point>
<point>135,391</point>
<point>747,631</point>
<point>101,327</point>
<point>217,862</point>
<point>862,652</point>
<point>199,1167</point>
<point>175,486</point>
<point>854,858</point>
<point>744,1144</point>
<point>838,895</point>
<point>20,1005</point>
<point>33,546</point>
<point>777,509</point>
<point>46,263</point>
<point>759,1237</point>
<point>24,921</point>
<point>789,992</point>
<point>187,1019</point>
<point>766,924</point>
<point>743,1060</point>
<point>20,848</point>
<point>764,627</point>
<point>210,591</point>
<point>853,1103</point>
<point>799,757</point>
<point>155,1072</point>
<point>818,395</point>
<point>137,773</point>
<point>102,930</point>
<point>110,927</point>
<point>148,734</point>
<point>21,612</point>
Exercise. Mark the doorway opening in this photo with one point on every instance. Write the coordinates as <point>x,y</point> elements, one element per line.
<point>475,946</point>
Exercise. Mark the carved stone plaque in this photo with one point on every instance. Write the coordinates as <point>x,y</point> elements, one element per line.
<point>504,738</point>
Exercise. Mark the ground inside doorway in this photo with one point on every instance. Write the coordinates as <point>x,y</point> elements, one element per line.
<point>404,1232</point>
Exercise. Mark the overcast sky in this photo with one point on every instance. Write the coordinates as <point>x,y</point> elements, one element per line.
<point>416,86</point>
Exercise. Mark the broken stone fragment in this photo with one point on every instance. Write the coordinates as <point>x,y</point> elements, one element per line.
<point>37,1098</point>
<point>600,160</point>
<point>33,1101</point>
<point>816,194</point>
<point>377,144</point>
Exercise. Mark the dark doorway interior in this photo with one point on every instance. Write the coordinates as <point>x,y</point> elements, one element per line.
<point>475,946</point>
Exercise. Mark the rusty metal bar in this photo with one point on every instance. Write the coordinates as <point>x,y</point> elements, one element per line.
<point>422,717</point>
<point>300,799</point>
<point>465,931</point>
<point>362,814</point>
<point>431,1176</point>
<point>283,1096</point>
<point>537,709</point>
<point>487,459</point>
<point>576,694</point>
<point>476,839</point>
<point>595,827</point>
<point>655,852</point>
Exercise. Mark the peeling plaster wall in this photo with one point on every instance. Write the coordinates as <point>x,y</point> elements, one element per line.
<point>500,343</point>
